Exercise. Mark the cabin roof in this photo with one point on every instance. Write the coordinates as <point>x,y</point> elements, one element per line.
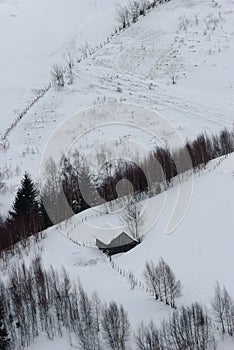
<point>107,237</point>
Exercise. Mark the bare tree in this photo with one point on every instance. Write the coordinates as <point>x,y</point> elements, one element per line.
<point>228,312</point>
<point>148,337</point>
<point>218,306</point>
<point>70,66</point>
<point>132,280</point>
<point>144,6</point>
<point>170,285</point>
<point>123,15</point>
<point>223,308</point>
<point>162,280</point>
<point>57,74</point>
<point>172,71</point>
<point>51,192</point>
<point>134,9</point>
<point>85,50</point>
<point>115,326</point>
<point>133,217</point>
<point>188,328</point>
<point>174,287</point>
<point>150,276</point>
<point>88,329</point>
<point>97,309</point>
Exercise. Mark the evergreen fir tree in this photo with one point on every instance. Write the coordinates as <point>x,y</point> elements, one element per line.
<point>26,198</point>
<point>25,215</point>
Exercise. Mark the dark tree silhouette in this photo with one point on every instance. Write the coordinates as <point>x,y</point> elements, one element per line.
<point>4,340</point>
<point>25,216</point>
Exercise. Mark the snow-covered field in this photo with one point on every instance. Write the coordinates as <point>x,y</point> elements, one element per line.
<point>134,67</point>
<point>190,41</point>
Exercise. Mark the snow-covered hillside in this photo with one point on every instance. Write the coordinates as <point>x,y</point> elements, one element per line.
<point>192,40</point>
<point>165,79</point>
<point>34,35</point>
<point>199,250</point>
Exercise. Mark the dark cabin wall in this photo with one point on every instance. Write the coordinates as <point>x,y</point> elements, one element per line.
<point>119,249</point>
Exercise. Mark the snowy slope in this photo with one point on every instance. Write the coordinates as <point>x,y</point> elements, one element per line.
<point>199,249</point>
<point>200,252</point>
<point>34,35</point>
<point>195,38</point>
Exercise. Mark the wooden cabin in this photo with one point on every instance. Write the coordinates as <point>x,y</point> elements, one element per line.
<point>122,242</point>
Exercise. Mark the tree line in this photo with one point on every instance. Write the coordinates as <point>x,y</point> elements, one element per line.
<point>33,212</point>
<point>162,280</point>
<point>130,12</point>
<point>34,300</point>
<point>156,172</point>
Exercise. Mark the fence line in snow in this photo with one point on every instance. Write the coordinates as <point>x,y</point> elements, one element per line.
<point>90,51</point>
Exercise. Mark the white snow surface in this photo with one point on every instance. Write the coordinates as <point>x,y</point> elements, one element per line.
<point>34,35</point>
<point>200,251</point>
<point>193,37</point>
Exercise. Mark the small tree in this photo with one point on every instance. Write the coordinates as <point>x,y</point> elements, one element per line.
<point>132,216</point>
<point>228,312</point>
<point>85,50</point>
<point>88,326</point>
<point>134,9</point>
<point>172,71</point>
<point>123,15</point>
<point>150,276</point>
<point>223,308</point>
<point>70,66</point>
<point>25,216</point>
<point>58,76</point>
<point>115,326</point>
<point>218,306</point>
<point>132,280</point>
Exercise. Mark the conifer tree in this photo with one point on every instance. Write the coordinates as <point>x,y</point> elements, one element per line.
<point>25,215</point>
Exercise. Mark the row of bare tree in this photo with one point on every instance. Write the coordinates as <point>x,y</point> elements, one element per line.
<point>190,327</point>
<point>156,171</point>
<point>126,15</point>
<point>74,181</point>
<point>162,280</point>
<point>130,12</point>
<point>35,301</point>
